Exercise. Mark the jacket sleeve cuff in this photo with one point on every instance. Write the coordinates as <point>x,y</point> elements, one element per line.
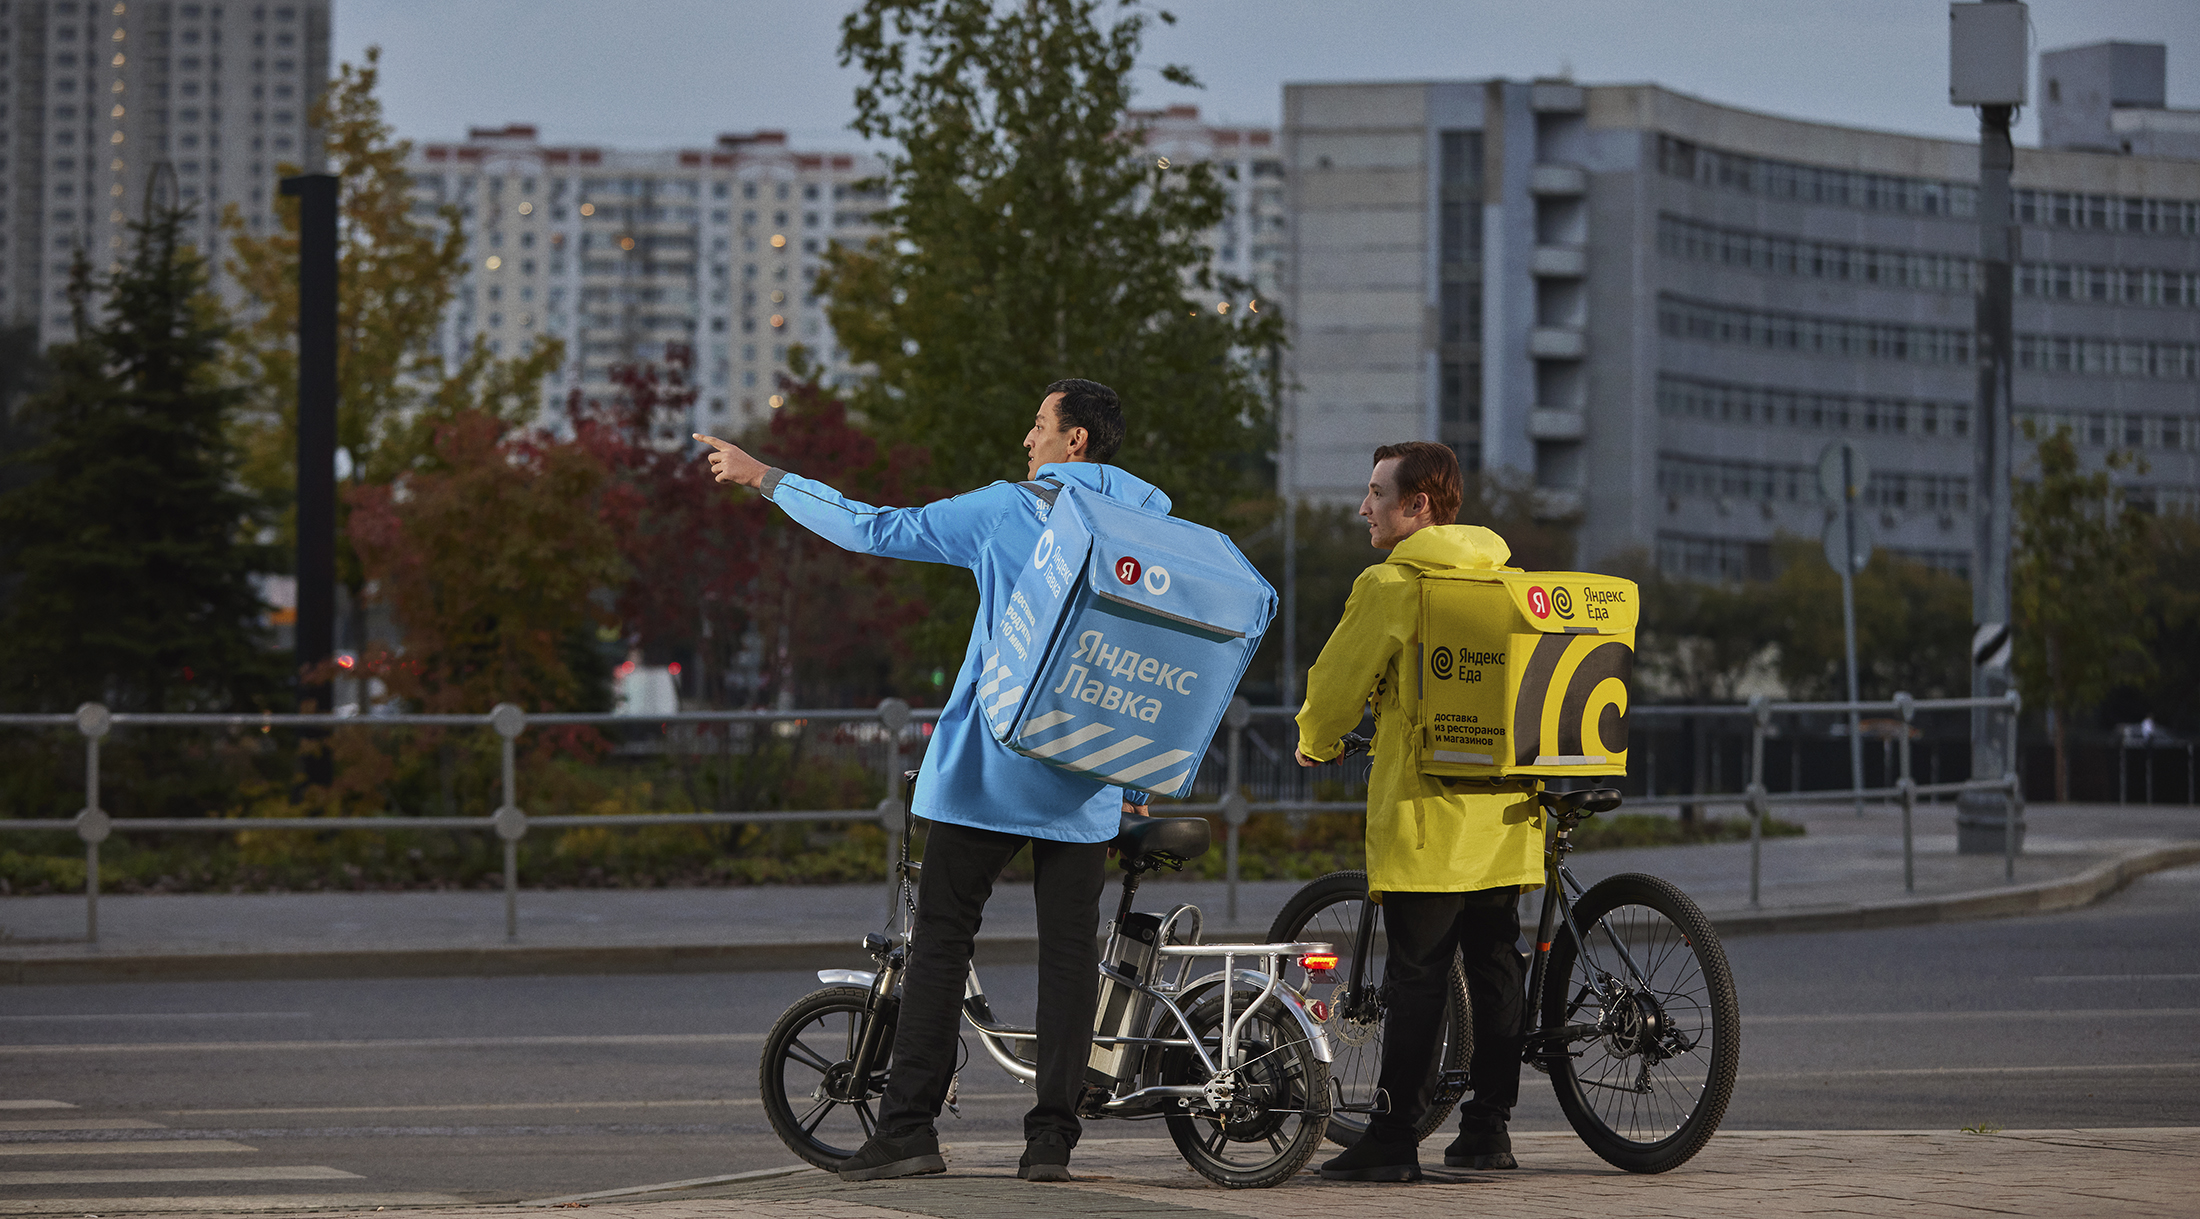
<point>771,481</point>
<point>1320,753</point>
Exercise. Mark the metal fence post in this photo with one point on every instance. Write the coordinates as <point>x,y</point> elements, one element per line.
<point>2016,793</point>
<point>1907,784</point>
<point>1759,717</point>
<point>1235,808</point>
<point>92,823</point>
<point>510,822</point>
<point>893,808</point>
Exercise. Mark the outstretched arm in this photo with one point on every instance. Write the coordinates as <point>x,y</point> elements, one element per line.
<point>951,531</point>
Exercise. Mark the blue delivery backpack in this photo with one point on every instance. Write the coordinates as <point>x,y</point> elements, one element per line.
<point>1122,642</point>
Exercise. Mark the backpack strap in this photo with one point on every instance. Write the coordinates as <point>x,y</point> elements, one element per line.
<point>1047,489</point>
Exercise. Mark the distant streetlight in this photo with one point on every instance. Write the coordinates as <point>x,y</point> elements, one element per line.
<point>1987,68</point>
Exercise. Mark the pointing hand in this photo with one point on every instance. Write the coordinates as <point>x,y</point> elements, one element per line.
<point>730,465</point>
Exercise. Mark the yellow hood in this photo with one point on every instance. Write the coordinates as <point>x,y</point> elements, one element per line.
<point>1442,546</point>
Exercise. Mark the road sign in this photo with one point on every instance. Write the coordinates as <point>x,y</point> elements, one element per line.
<point>1831,480</point>
<point>1837,541</point>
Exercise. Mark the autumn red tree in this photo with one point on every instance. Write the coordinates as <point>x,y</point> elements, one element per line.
<point>490,555</point>
<point>715,572</point>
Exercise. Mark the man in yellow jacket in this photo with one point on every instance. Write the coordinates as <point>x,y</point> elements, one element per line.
<point>1446,862</point>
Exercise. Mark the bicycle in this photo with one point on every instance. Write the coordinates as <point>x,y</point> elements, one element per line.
<point>1231,1060</point>
<point>1633,1007</point>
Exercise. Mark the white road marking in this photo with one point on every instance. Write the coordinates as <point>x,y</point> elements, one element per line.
<point>526,1106</point>
<point>2117,978</point>
<point>82,1123</point>
<point>120,1147</point>
<point>35,1104</point>
<point>220,1205</point>
<point>2089,1013</point>
<point>83,1016</point>
<point>394,1043</point>
<point>2104,1068</point>
<point>142,1176</point>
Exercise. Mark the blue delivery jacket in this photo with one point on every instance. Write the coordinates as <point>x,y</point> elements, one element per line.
<point>969,778</point>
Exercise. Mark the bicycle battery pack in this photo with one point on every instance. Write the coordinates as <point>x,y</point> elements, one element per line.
<point>1524,673</point>
<point>1121,644</point>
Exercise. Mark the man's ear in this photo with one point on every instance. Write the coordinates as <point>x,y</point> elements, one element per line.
<point>1079,440</point>
<point>1421,505</point>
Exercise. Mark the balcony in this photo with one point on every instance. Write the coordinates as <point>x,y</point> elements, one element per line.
<point>1559,261</point>
<point>1557,504</point>
<point>1556,423</point>
<point>1557,343</point>
<point>1552,97</point>
<point>1557,181</point>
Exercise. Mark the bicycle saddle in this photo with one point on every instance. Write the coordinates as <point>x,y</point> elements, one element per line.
<point>1581,803</point>
<point>1174,838</point>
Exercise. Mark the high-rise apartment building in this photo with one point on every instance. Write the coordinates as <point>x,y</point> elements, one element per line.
<point>98,97</point>
<point>619,253</point>
<point>1661,309</point>
<point>1252,243</point>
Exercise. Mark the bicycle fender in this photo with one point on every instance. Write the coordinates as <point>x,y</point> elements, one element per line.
<point>1293,1002</point>
<point>847,977</point>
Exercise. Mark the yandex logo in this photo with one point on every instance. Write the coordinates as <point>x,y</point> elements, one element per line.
<point>1127,569</point>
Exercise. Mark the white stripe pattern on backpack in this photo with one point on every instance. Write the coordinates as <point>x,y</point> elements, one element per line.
<point>1116,762</point>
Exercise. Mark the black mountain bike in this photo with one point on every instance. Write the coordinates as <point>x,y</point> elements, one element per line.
<point>1633,1009</point>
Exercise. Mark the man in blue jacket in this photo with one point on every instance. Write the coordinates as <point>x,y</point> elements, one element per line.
<point>984,801</point>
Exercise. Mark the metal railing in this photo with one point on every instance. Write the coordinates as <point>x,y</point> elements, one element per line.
<point>1760,801</point>
<point>510,823</point>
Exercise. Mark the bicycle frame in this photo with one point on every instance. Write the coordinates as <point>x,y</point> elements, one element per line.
<point>1000,1039</point>
<point>1560,890</point>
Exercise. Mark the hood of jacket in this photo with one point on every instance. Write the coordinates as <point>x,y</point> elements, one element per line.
<point>1449,546</point>
<point>1116,484</point>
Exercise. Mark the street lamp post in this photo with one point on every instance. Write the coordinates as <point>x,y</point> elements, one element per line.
<point>1987,62</point>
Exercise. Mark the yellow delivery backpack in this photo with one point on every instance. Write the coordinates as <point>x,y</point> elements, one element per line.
<point>1525,672</point>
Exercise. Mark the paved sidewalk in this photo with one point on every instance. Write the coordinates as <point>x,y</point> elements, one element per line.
<point>1742,1175</point>
<point>1846,872</point>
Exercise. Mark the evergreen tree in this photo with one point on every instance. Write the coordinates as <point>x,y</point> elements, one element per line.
<point>1032,237</point>
<point>132,571</point>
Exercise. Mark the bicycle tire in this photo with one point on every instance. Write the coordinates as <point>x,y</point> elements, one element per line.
<point>1654,1028</point>
<point>1328,908</point>
<point>1289,1086</point>
<point>801,1120</point>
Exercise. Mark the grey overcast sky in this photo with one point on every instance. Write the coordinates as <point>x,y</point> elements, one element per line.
<point>675,73</point>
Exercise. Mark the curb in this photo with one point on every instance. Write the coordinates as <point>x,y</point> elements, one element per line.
<point>2046,897</point>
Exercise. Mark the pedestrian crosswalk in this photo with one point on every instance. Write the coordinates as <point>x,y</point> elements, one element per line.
<point>60,1162</point>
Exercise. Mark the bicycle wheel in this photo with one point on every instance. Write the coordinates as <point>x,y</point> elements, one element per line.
<point>1651,1064</point>
<point>814,1107</point>
<point>1328,909</point>
<point>1274,1121</point>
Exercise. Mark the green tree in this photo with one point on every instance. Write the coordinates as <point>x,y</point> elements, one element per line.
<point>132,569</point>
<point>1913,626</point>
<point>397,273</point>
<point>1032,237</point>
<point>2079,583</point>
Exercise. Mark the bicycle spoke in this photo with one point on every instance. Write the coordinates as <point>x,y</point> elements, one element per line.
<point>816,1115</point>
<point>863,1115</point>
<point>808,1057</point>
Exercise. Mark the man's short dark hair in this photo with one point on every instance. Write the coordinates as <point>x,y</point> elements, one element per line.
<point>1093,407</point>
<point>1431,470</point>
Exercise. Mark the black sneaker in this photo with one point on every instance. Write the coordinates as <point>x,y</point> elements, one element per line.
<point>1376,1158</point>
<point>1046,1158</point>
<point>1481,1148</point>
<point>895,1155</point>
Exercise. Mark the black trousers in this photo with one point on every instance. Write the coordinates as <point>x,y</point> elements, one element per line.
<point>960,866</point>
<point>1424,930</point>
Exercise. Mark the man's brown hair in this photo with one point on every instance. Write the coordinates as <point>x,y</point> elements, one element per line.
<point>1427,469</point>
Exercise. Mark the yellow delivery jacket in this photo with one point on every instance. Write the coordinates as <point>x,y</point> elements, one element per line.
<point>1423,835</point>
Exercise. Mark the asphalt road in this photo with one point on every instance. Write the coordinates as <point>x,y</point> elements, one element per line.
<point>526,1088</point>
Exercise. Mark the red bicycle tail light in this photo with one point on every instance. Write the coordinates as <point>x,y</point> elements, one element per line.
<point>1318,962</point>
